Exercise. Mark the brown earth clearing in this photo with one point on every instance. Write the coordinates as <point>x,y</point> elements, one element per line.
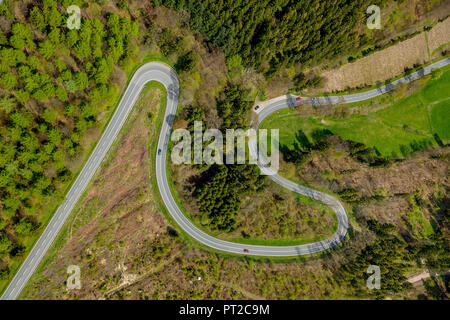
<point>126,249</point>
<point>390,62</point>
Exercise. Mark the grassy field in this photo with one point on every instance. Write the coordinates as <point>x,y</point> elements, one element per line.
<point>394,130</point>
<point>120,241</point>
<point>50,204</point>
<point>441,123</point>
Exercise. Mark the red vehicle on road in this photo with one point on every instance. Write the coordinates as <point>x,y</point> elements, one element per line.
<point>246,250</point>
<point>299,99</point>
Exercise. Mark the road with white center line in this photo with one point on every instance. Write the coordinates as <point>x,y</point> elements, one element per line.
<point>156,71</point>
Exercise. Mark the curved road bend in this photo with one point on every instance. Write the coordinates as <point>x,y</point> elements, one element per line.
<point>155,71</point>
<point>148,72</point>
<point>289,101</point>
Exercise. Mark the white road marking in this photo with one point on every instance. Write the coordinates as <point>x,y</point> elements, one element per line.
<point>156,71</point>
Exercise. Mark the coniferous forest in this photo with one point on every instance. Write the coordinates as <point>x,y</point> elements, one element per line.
<point>59,87</point>
<point>269,34</point>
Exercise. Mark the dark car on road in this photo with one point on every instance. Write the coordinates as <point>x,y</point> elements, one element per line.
<point>159,152</point>
<point>256,108</point>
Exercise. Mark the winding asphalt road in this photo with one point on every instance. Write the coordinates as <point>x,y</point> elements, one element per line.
<point>162,73</point>
<point>289,101</point>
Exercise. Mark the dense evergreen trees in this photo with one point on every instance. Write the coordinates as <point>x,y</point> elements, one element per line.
<point>387,252</point>
<point>186,62</point>
<point>436,249</point>
<point>233,107</point>
<point>303,147</point>
<point>268,34</point>
<point>220,188</point>
<point>54,82</point>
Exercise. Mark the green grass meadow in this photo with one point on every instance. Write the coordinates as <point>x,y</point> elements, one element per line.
<point>393,130</point>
